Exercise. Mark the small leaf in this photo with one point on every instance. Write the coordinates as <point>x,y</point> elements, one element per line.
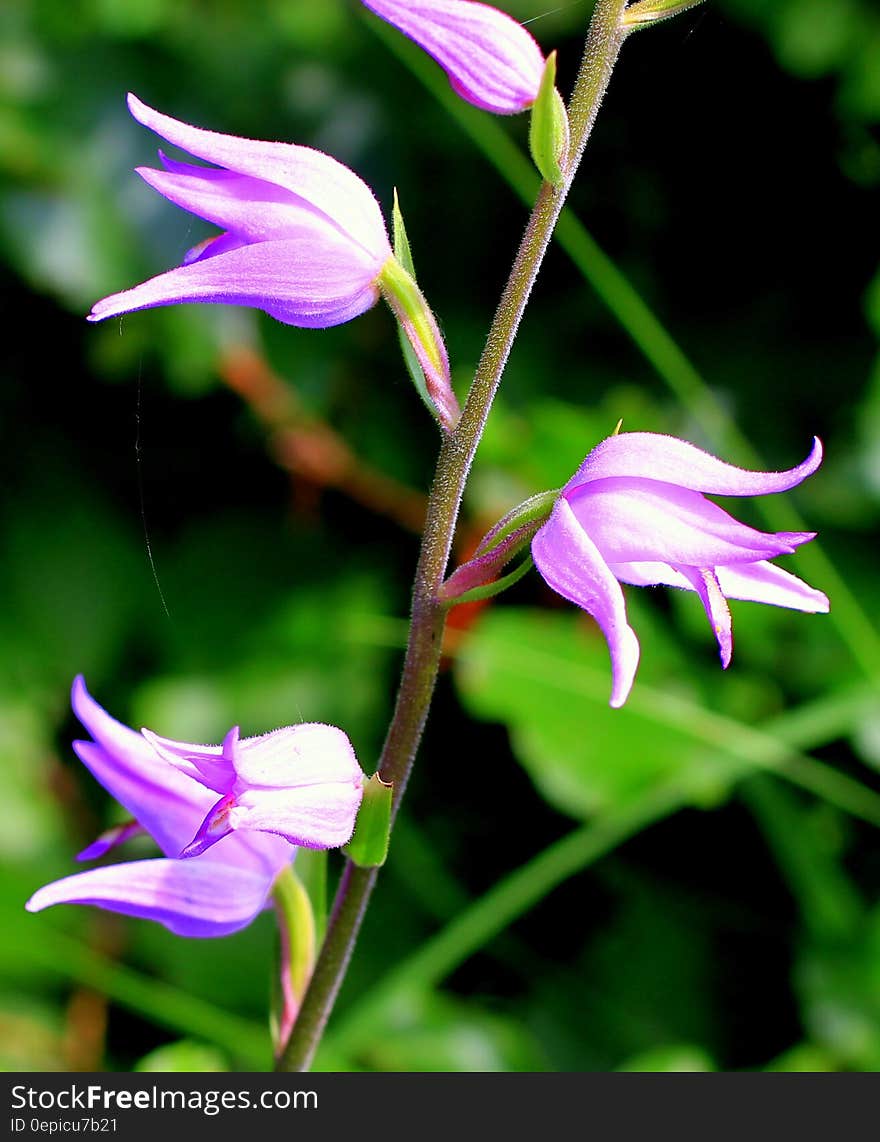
<point>368,848</point>
<point>403,253</point>
<point>402,250</point>
<point>650,11</point>
<point>183,1056</point>
<point>548,129</point>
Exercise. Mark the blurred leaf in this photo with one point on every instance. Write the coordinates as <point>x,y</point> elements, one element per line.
<point>32,822</point>
<point>435,1033</point>
<point>803,1057</point>
<point>547,677</point>
<point>30,1036</point>
<point>67,580</point>
<point>839,985</point>
<point>678,1057</point>
<point>184,1055</point>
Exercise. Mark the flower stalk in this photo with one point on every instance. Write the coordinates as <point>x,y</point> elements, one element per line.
<point>421,662</point>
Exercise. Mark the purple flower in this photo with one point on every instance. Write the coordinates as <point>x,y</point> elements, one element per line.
<point>303,238</point>
<point>634,513</point>
<point>301,783</point>
<point>490,59</point>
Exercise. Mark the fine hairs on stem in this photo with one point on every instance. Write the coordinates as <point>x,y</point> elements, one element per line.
<point>422,657</point>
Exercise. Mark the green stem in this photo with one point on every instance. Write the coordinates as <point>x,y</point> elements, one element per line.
<point>422,658</point>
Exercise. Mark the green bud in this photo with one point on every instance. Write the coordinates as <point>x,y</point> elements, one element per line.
<point>368,847</point>
<point>548,130</point>
<point>645,12</point>
<point>420,338</point>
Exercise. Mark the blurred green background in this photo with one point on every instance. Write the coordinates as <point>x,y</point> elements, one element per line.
<point>690,883</point>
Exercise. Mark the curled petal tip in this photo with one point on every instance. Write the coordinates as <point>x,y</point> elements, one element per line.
<point>136,106</point>
<point>625,663</point>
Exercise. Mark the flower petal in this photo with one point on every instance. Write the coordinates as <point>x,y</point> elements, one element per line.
<point>203,763</point>
<point>312,278</point>
<point>319,816</point>
<point>316,178</point>
<point>705,582</point>
<point>191,898</point>
<point>652,456</point>
<point>765,583</point>
<point>491,60</point>
<point>639,519</point>
<point>350,308</point>
<point>255,210</point>
<point>760,582</point>
<point>169,805</point>
<point>297,756</point>
<point>572,565</point>
<point>643,573</point>
<point>110,839</point>
<point>211,247</point>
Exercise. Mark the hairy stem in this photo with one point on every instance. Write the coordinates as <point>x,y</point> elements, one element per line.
<point>423,649</point>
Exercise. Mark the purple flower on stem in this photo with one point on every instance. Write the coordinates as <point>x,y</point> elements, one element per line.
<point>491,60</point>
<point>298,783</point>
<point>303,239</point>
<point>634,513</point>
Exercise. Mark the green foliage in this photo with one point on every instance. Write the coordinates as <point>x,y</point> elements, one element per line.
<point>181,1056</point>
<point>690,883</point>
<point>545,676</point>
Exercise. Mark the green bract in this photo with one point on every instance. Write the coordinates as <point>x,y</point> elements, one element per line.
<point>548,129</point>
